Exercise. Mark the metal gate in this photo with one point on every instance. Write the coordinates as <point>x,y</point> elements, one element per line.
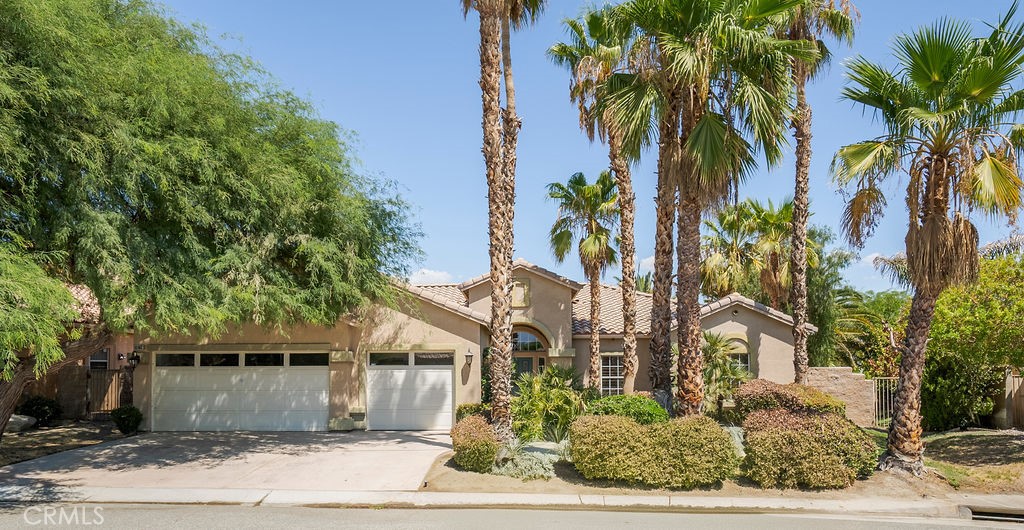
<point>885,400</point>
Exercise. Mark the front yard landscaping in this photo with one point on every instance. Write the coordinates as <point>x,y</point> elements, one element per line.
<point>18,447</point>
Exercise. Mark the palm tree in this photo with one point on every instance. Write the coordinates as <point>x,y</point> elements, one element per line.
<point>723,373</point>
<point>809,22</point>
<point>587,214</point>
<point>729,254</point>
<point>723,75</point>
<point>947,110</point>
<point>500,137</point>
<point>644,282</point>
<point>594,52</point>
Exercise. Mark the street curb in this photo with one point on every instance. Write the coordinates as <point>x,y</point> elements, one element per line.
<point>421,499</point>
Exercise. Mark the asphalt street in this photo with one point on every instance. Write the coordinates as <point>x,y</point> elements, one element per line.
<point>212,517</point>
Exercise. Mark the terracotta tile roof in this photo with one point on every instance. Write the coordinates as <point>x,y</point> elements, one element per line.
<point>442,296</point>
<point>86,303</point>
<point>739,299</point>
<point>611,311</point>
<point>521,263</point>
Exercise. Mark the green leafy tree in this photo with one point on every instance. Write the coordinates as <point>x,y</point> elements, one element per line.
<point>948,110</point>
<point>587,214</point>
<point>176,182</point>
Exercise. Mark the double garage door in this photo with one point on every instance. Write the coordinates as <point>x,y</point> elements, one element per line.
<point>290,391</point>
<point>240,392</point>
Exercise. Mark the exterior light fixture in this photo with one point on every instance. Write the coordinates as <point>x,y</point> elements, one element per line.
<point>134,359</point>
<point>469,357</point>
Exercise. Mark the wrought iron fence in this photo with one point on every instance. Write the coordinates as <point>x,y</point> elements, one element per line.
<point>885,400</point>
<point>104,394</point>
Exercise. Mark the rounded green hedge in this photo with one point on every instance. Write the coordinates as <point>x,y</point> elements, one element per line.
<point>475,444</point>
<point>681,454</point>
<point>641,409</point>
<point>806,450</point>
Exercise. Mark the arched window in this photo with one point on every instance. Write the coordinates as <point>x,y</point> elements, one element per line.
<point>529,351</point>
<point>525,341</point>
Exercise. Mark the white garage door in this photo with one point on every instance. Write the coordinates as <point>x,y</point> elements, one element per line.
<point>240,392</point>
<point>410,391</point>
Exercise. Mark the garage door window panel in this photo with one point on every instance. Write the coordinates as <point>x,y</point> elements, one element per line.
<point>308,359</point>
<point>434,359</point>
<point>389,359</point>
<point>264,359</point>
<point>173,360</point>
<point>219,360</point>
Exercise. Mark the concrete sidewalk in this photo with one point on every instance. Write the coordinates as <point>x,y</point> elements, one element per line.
<point>953,506</point>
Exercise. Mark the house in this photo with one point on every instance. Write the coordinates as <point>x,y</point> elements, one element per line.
<point>408,367</point>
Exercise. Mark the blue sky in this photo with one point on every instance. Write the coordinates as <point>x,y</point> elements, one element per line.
<point>403,76</point>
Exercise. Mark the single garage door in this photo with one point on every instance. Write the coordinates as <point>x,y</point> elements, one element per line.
<point>410,391</point>
<point>240,392</point>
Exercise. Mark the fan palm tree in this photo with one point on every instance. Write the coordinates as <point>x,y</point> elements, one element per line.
<point>500,138</point>
<point>723,75</point>
<point>773,226</point>
<point>594,52</point>
<point>587,214</point>
<point>809,22</point>
<point>947,110</point>
<point>729,252</point>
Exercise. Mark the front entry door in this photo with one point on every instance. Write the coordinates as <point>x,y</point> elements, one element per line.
<point>524,365</point>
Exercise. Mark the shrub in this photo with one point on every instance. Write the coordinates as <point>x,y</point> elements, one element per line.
<point>642,410</point>
<point>530,461</point>
<point>957,391</point>
<point>475,444</point>
<point>127,418</point>
<point>760,394</point>
<point>546,404</point>
<point>472,409</point>
<point>43,409</point>
<point>806,450</point>
<point>683,453</point>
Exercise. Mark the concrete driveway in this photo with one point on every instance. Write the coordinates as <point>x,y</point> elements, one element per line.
<point>356,461</point>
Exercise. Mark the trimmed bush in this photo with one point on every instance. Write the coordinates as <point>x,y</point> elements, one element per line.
<point>760,394</point>
<point>680,454</point>
<point>641,409</point>
<point>475,444</point>
<point>472,409</point>
<point>43,409</point>
<point>127,418</point>
<point>806,450</point>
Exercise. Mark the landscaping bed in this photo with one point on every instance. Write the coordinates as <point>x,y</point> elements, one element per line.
<point>18,447</point>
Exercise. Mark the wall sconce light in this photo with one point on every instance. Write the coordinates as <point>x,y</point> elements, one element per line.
<point>469,357</point>
<point>120,356</point>
<point>134,360</point>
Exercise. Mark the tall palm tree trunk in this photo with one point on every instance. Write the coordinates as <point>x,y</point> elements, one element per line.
<point>904,449</point>
<point>498,227</point>
<point>660,370</point>
<point>801,206</point>
<point>593,377</point>
<point>627,254</point>
<point>690,365</point>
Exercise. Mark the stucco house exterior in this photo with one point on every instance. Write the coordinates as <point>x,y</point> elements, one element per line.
<point>408,367</point>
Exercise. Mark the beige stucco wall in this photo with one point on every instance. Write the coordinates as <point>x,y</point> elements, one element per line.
<point>549,310</point>
<point>614,346</point>
<point>849,387</point>
<point>770,341</point>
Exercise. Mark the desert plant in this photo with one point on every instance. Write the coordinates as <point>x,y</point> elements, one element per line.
<point>760,394</point>
<point>546,404</point>
<point>475,444</point>
<point>43,409</point>
<point>472,409</point>
<point>722,372</point>
<point>683,453</point>
<point>640,409</point>
<point>806,450</point>
<point>127,418</point>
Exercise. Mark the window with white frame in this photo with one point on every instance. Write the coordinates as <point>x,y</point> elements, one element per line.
<point>611,375</point>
